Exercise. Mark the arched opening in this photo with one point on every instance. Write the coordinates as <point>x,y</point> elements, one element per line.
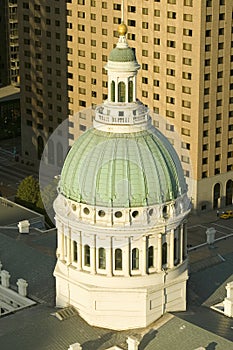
<point>59,155</point>
<point>113,91</point>
<point>216,196</point>
<point>102,258</point>
<point>75,252</point>
<point>164,253</point>
<point>118,259</point>
<point>50,152</point>
<point>87,258</point>
<point>130,91</point>
<point>150,256</point>
<point>121,92</point>
<point>135,259</point>
<point>229,192</point>
<point>40,147</point>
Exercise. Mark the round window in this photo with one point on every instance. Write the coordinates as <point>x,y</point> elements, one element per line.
<point>135,213</point>
<point>86,211</point>
<point>101,213</point>
<point>118,214</point>
<point>151,212</point>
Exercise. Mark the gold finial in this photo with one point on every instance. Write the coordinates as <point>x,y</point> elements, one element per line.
<point>122,29</point>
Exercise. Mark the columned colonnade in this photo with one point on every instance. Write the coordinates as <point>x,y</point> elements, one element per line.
<point>122,256</point>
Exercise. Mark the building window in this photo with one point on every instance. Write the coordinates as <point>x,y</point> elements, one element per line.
<point>170,114</point>
<point>87,257</point>
<point>121,91</point>
<point>150,256</point>
<point>102,258</point>
<point>188,17</point>
<point>187,32</point>
<point>185,131</point>
<point>164,253</point>
<point>170,100</point>
<point>131,23</point>
<point>171,29</point>
<point>171,15</point>
<point>130,91</point>
<point>113,91</point>
<point>171,43</point>
<point>171,58</point>
<point>187,75</point>
<point>185,159</point>
<point>118,259</point>
<point>135,259</point>
<point>187,47</point>
<point>75,251</point>
<point>171,72</point>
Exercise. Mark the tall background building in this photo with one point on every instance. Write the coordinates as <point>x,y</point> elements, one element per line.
<point>185,51</point>
<point>9,57</point>
<point>43,74</point>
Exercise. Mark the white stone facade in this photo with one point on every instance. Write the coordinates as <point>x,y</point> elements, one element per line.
<point>120,274</point>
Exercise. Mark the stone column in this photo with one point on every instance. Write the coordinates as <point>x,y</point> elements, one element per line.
<point>171,250</point>
<point>144,255</point>
<point>1,266</point>
<point>159,252</point>
<point>80,252</point>
<point>22,287</point>
<point>116,90</point>
<point>185,241</point>
<point>134,88</point>
<point>181,243</point>
<point>127,90</point>
<point>61,242</point>
<point>93,255</point>
<point>68,258</point>
<point>109,259</point>
<point>126,257</point>
<point>5,278</point>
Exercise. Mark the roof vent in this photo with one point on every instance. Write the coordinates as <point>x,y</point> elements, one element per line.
<point>65,313</point>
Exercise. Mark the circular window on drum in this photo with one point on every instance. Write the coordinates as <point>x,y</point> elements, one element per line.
<point>118,214</point>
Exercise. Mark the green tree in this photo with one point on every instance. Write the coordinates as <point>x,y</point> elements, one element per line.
<point>28,190</point>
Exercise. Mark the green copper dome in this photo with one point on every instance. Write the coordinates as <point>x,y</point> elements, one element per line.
<point>122,169</point>
<point>122,55</point>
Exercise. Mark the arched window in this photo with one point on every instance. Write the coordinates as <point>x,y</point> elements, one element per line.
<point>40,147</point>
<point>135,259</point>
<point>121,92</point>
<point>59,155</point>
<point>75,252</point>
<point>50,152</point>
<point>229,192</point>
<point>87,259</point>
<point>164,253</point>
<point>150,256</point>
<point>102,258</point>
<point>130,91</point>
<point>118,259</point>
<point>216,196</point>
<point>113,91</point>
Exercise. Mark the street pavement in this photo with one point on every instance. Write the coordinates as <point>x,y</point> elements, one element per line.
<point>12,172</point>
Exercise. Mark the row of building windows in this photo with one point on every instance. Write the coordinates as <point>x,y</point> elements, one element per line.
<point>118,256</point>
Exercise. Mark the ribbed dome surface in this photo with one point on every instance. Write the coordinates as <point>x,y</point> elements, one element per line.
<point>122,170</point>
<point>122,55</point>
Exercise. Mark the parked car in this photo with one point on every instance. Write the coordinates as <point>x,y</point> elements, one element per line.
<point>226,214</point>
